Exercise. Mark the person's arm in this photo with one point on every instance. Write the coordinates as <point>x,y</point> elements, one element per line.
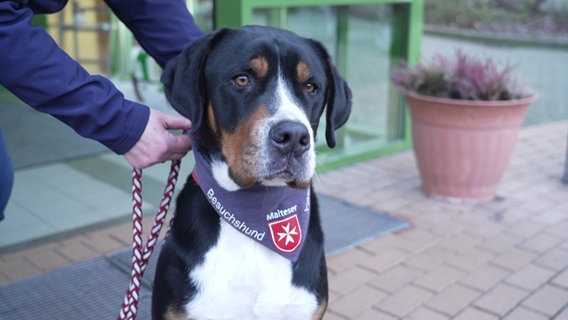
<point>163,28</point>
<point>36,70</point>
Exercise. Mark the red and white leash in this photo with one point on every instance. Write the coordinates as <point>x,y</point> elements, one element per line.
<point>141,254</point>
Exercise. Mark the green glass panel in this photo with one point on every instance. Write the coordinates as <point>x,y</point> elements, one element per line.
<point>360,40</point>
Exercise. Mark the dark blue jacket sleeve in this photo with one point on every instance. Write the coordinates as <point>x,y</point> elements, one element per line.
<point>36,70</point>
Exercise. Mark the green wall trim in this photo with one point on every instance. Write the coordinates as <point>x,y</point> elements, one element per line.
<point>305,3</point>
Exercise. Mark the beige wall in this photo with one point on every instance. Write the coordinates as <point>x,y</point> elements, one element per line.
<point>80,40</point>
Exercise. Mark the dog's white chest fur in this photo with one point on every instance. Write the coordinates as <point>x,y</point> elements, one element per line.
<point>241,279</point>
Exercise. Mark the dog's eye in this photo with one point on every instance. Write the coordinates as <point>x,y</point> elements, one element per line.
<point>311,88</point>
<point>241,80</point>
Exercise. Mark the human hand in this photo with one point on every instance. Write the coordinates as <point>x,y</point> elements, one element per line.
<point>157,144</point>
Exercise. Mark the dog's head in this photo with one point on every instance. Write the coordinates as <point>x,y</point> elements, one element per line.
<point>255,96</point>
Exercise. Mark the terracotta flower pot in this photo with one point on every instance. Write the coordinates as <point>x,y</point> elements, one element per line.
<point>462,148</point>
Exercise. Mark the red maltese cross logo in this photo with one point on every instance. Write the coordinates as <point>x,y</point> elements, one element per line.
<point>286,233</point>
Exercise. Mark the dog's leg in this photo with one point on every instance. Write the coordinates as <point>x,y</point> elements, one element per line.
<point>175,315</point>
<point>318,315</point>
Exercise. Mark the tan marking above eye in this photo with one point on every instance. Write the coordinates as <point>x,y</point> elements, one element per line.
<point>303,71</point>
<point>241,80</point>
<point>259,66</point>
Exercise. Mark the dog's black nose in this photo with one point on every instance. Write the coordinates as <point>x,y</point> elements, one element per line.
<point>290,137</point>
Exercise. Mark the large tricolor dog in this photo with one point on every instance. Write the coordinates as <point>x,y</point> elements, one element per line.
<point>246,240</point>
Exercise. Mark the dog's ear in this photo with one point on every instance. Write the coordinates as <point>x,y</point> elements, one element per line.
<point>184,79</point>
<point>338,103</point>
<point>338,96</point>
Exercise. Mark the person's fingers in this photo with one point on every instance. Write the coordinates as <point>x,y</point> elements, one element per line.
<point>176,156</point>
<point>184,142</point>
<point>157,144</point>
<point>179,145</point>
<point>172,122</point>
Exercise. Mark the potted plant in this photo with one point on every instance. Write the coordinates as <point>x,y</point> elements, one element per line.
<point>466,113</point>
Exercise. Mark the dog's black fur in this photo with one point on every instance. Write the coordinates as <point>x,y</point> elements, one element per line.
<point>205,84</point>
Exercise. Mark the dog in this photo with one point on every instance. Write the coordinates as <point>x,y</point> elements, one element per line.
<point>246,240</point>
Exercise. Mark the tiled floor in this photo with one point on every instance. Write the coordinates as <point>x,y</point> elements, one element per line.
<point>506,259</point>
<point>55,199</point>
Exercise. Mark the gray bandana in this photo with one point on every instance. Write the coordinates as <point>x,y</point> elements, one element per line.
<point>276,217</point>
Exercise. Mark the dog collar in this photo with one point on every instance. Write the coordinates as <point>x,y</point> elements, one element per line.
<point>276,217</point>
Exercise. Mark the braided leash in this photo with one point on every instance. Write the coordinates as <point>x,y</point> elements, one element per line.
<point>141,254</point>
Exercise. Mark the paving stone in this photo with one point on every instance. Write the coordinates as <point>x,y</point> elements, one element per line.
<point>484,229</point>
<point>424,313</point>
<point>395,278</point>
<point>393,241</point>
<point>347,259</point>
<point>48,260</point>
<point>501,299</point>
<point>384,260</point>
<point>354,303</point>
<point>530,277</point>
<point>564,245</point>
<point>540,243</point>
<point>14,268</point>
<point>439,278</point>
<point>563,315</point>
<point>3,278</point>
<point>521,313</point>
<point>460,242</point>
<point>31,250</point>
<point>429,259</point>
<point>333,296</point>
<point>453,300</point>
<point>373,314</point>
<point>556,259</point>
<point>474,314</point>
<point>450,231</point>
<point>548,300</point>
<point>350,279</point>
<point>559,230</point>
<point>404,301</point>
<point>417,239</point>
<point>44,256</point>
<point>121,232</point>
<point>105,242</point>
<point>471,259</point>
<point>500,243</point>
<point>75,250</point>
<point>484,277</point>
<point>526,229</point>
<point>551,217</point>
<point>333,316</point>
<point>561,279</point>
<point>514,259</point>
